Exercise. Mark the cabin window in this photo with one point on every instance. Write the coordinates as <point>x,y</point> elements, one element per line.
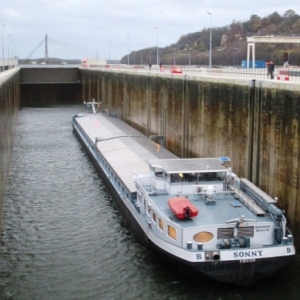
<point>209,176</point>
<point>133,196</point>
<point>161,224</point>
<point>172,232</point>
<point>190,177</point>
<point>154,217</point>
<point>158,172</point>
<point>177,177</point>
<point>212,176</point>
<point>221,176</point>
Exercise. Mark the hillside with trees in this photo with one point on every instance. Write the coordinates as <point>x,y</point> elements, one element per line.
<point>229,43</point>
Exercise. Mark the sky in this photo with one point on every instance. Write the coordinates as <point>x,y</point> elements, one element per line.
<point>112,28</point>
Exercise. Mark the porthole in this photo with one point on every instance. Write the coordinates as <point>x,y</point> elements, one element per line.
<point>203,237</point>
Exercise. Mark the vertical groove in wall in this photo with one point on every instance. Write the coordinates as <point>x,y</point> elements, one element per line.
<point>251,131</point>
<point>148,107</point>
<point>186,118</point>
<point>163,113</point>
<point>125,95</point>
<point>255,178</point>
<point>83,86</point>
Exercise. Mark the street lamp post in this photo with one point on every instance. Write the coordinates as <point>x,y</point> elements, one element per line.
<point>156,45</point>
<point>189,56</point>
<point>109,51</point>
<point>14,52</point>
<point>11,53</point>
<point>8,54</point>
<point>3,48</point>
<point>210,39</point>
<point>127,49</point>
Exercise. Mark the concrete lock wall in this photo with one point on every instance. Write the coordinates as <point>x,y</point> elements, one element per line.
<point>255,123</point>
<point>50,85</point>
<point>9,107</point>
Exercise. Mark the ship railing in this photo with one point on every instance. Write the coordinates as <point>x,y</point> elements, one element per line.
<point>148,188</point>
<point>247,201</point>
<point>145,184</point>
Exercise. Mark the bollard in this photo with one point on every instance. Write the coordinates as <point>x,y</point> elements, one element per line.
<point>189,245</point>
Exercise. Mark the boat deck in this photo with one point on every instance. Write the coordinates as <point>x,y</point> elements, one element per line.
<point>226,208</point>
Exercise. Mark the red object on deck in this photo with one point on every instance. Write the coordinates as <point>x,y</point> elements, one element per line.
<point>175,70</point>
<point>182,208</point>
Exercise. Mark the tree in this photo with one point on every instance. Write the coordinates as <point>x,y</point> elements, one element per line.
<point>289,13</point>
<point>275,18</point>
<point>255,22</point>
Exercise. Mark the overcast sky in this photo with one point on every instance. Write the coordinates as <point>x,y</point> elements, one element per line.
<point>84,28</point>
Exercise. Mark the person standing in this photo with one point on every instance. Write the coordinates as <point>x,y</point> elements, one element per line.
<point>271,69</point>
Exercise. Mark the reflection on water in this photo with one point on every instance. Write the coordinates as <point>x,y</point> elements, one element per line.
<point>64,239</point>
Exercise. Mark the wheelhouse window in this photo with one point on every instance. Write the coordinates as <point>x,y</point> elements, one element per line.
<point>190,177</point>
<point>176,177</point>
<point>212,176</point>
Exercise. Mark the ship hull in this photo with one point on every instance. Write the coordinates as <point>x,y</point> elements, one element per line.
<point>236,271</point>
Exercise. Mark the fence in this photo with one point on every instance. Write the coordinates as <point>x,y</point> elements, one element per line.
<point>280,73</point>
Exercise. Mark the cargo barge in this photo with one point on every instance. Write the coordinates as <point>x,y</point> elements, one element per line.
<point>197,212</point>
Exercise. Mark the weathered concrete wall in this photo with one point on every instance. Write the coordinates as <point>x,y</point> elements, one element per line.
<point>255,123</point>
<point>278,145</point>
<point>49,74</point>
<point>9,106</point>
<point>42,95</point>
<point>51,85</point>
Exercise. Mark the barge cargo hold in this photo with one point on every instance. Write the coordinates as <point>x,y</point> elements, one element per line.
<point>220,225</point>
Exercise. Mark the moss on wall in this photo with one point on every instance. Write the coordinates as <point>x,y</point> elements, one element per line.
<point>255,123</point>
<point>9,106</point>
